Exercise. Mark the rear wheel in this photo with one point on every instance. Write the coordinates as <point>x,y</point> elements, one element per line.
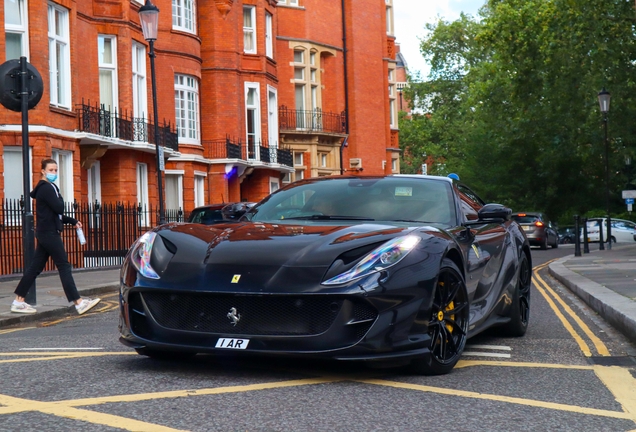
<point>544,243</point>
<point>448,323</point>
<point>520,308</point>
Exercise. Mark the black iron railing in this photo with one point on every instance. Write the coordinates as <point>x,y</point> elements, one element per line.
<point>315,120</point>
<point>102,121</point>
<point>229,149</point>
<point>110,230</point>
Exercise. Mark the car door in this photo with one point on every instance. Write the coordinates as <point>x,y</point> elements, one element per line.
<point>484,257</point>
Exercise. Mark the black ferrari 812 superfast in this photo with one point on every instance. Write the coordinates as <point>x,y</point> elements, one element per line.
<point>399,269</point>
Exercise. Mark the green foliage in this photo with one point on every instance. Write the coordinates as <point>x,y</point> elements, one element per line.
<point>511,103</point>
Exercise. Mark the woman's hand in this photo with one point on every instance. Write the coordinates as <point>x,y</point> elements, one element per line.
<point>78,225</point>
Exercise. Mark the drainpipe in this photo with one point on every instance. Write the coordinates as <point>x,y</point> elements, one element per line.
<point>346,84</point>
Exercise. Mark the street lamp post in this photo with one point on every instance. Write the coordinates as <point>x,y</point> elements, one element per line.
<point>604,102</point>
<point>149,19</point>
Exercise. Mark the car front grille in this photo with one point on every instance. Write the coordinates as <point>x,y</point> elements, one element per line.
<point>255,314</point>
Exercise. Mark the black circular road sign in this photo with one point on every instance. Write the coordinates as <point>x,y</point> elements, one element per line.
<point>11,83</point>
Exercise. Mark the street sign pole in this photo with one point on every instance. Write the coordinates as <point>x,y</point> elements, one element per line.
<point>22,95</point>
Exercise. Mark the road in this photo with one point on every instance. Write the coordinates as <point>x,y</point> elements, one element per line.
<point>570,372</point>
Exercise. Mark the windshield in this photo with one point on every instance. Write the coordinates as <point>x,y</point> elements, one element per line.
<point>378,199</point>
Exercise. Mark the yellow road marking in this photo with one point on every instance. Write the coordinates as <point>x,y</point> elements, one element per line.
<point>582,345</point>
<point>15,330</point>
<point>60,410</point>
<point>598,344</point>
<point>200,392</point>
<point>105,306</point>
<point>622,385</point>
<point>497,398</point>
<point>472,363</point>
<point>46,356</point>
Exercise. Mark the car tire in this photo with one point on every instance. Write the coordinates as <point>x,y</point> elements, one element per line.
<point>164,355</point>
<point>520,308</point>
<point>544,243</point>
<point>448,324</point>
<point>556,243</point>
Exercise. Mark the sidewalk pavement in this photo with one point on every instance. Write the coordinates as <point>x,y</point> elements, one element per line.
<point>49,295</point>
<point>605,280</point>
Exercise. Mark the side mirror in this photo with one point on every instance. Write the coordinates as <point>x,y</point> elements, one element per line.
<point>494,211</point>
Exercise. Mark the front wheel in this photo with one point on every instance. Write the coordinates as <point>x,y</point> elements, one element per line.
<point>448,322</point>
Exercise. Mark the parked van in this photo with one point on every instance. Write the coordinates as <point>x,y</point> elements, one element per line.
<point>622,230</point>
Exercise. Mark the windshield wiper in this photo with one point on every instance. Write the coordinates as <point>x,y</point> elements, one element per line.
<point>330,217</point>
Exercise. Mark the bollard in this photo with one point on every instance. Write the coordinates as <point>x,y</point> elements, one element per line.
<point>586,244</point>
<point>600,235</point>
<point>577,240</point>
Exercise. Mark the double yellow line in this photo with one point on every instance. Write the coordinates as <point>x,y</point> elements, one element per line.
<point>548,293</point>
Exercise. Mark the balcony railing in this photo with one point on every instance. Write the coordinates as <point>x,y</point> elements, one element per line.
<point>101,121</point>
<point>315,120</point>
<point>229,149</point>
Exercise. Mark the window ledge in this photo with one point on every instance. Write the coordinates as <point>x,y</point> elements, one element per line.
<point>64,111</point>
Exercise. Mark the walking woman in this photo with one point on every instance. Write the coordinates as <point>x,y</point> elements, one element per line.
<point>49,208</point>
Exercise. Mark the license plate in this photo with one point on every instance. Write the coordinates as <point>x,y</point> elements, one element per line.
<point>232,343</point>
<point>525,227</point>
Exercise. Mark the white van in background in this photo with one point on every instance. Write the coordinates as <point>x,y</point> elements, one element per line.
<point>622,230</point>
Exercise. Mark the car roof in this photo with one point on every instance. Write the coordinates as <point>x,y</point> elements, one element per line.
<point>212,206</point>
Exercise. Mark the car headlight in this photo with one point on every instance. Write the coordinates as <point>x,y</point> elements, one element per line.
<point>381,258</point>
<point>141,253</point>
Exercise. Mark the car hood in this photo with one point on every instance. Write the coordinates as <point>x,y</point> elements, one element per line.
<point>266,257</point>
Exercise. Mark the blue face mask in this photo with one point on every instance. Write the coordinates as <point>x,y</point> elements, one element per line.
<point>51,177</point>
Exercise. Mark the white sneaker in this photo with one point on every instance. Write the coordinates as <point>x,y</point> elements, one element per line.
<point>22,307</point>
<point>85,305</point>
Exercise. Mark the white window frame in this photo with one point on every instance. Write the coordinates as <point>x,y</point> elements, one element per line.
<point>256,108</point>
<point>199,188</point>
<point>59,68</point>
<point>177,175</point>
<point>187,109</point>
<point>249,31</point>
<point>142,193</point>
<point>64,180</point>
<point>94,183</point>
<point>269,35</point>
<point>184,15</point>
<point>392,92</point>
<point>272,117</point>
<point>389,17</point>
<point>140,91</point>
<point>274,184</point>
<point>108,67</point>
<point>13,173</point>
<point>299,161</point>
<point>21,29</point>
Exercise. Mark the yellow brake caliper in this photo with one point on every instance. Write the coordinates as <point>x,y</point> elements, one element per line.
<point>440,314</point>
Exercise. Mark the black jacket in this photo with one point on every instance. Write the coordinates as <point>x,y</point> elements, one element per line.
<point>49,208</point>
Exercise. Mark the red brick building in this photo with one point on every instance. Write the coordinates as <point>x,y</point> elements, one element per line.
<point>251,94</point>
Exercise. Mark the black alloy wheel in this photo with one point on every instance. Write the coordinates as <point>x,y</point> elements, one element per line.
<point>520,308</point>
<point>448,324</point>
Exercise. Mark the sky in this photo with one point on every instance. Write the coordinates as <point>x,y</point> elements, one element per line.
<point>410,17</point>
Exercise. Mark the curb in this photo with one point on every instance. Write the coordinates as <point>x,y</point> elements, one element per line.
<point>60,311</point>
<point>614,308</point>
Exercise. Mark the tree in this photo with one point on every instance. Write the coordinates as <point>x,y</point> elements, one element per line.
<point>512,99</point>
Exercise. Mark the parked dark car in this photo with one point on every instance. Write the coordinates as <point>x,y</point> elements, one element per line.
<point>567,235</point>
<point>217,213</point>
<point>400,269</point>
<point>538,228</point>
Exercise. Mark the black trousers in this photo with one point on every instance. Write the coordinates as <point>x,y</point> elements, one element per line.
<point>49,245</point>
